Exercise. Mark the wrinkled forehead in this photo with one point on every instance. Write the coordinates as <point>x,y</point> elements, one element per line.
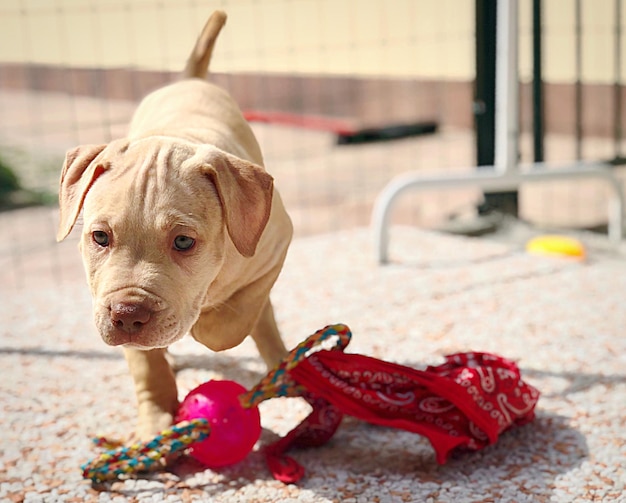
<point>154,185</point>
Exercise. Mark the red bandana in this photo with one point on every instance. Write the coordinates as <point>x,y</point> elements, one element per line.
<point>466,402</point>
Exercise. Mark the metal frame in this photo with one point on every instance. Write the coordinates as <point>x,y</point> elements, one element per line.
<point>506,173</point>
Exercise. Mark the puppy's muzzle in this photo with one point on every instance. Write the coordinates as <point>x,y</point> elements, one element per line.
<point>133,316</point>
<point>130,317</point>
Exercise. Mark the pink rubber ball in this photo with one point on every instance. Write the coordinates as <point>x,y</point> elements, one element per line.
<point>234,429</point>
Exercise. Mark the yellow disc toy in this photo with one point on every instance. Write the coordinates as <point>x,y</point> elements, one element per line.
<point>555,245</point>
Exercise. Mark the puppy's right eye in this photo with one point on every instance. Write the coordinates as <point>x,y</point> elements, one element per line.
<point>184,243</point>
<point>101,238</point>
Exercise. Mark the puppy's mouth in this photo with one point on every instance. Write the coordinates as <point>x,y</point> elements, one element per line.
<point>143,339</point>
<point>136,318</point>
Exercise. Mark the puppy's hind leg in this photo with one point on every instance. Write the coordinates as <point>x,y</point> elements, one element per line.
<point>267,337</point>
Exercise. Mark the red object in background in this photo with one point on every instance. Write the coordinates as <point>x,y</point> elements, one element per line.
<point>466,402</point>
<point>317,122</point>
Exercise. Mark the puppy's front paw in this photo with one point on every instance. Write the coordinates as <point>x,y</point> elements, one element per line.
<point>150,425</point>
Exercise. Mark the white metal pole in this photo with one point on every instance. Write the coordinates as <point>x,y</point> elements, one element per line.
<point>507,87</point>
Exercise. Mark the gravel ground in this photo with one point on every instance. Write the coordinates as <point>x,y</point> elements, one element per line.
<point>563,321</point>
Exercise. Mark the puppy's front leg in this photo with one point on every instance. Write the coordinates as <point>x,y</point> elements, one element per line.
<point>247,312</point>
<point>155,387</point>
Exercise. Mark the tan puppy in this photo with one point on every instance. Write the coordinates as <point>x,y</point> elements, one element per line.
<point>183,231</point>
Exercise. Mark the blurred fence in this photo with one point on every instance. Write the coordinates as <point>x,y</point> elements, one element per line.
<point>306,72</point>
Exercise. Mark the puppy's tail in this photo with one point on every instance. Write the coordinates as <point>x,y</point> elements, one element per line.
<point>198,62</point>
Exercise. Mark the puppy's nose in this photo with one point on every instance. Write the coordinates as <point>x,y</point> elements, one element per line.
<point>129,317</point>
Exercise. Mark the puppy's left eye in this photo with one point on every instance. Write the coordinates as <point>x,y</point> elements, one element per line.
<point>101,238</point>
<point>183,243</point>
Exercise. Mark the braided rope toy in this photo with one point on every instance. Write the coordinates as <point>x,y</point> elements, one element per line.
<point>279,383</point>
<point>466,402</point>
<point>143,456</point>
<point>117,460</point>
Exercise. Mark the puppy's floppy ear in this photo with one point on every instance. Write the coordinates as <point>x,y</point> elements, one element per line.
<point>245,191</point>
<point>78,174</point>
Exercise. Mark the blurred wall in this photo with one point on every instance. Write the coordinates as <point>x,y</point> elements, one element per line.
<point>398,38</point>
<point>351,58</point>
<point>357,37</point>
